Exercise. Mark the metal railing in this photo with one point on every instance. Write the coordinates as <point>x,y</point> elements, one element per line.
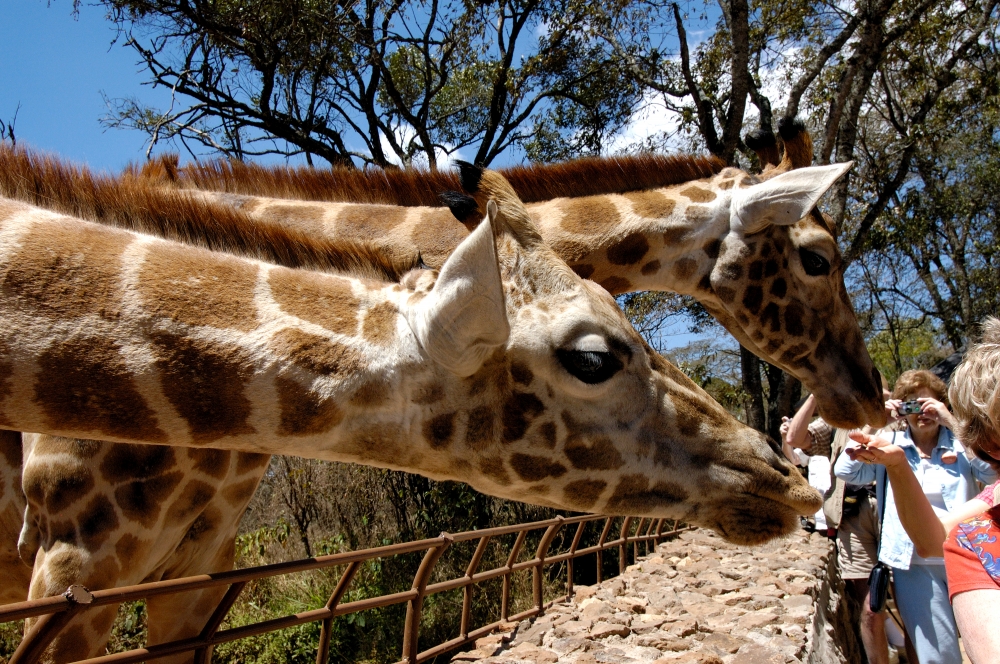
<point>56,612</point>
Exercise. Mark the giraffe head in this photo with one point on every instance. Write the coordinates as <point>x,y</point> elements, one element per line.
<point>755,252</point>
<point>569,407</point>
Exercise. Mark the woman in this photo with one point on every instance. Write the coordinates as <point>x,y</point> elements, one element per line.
<point>972,548</point>
<point>945,475</point>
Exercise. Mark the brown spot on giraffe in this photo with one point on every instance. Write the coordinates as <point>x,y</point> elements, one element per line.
<point>698,194</point>
<point>651,204</point>
<point>634,496</point>
<point>571,250</point>
<point>129,546</point>
<point>544,435</point>
<point>315,353</point>
<point>587,215</point>
<point>698,213</point>
<point>371,394</point>
<point>584,493</point>
<point>239,493</point>
<point>96,522</point>
<point>84,384</point>
<point>674,236</point>
<point>583,270</point>
<point>57,485</point>
<point>205,382</point>
<point>480,431</point>
<point>601,454</point>
<point>246,461</point>
<point>67,272</point>
<point>318,298</point>
<point>381,443</point>
<point>493,468</point>
<point>616,285</point>
<point>518,411</point>
<point>214,463</point>
<point>628,250</point>
<point>685,268</point>
<point>79,448</point>
<point>535,468</point>
<point>725,185</point>
<point>650,268</point>
<point>429,393</point>
<point>195,495</point>
<point>142,500</point>
<point>439,429</point>
<point>712,248</point>
<point>379,326</point>
<point>303,412</point>
<point>198,287</point>
<point>521,374</point>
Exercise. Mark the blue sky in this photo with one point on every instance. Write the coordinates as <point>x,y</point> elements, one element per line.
<point>56,66</point>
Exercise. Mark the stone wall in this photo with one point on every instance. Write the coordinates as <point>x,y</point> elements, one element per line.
<point>697,599</point>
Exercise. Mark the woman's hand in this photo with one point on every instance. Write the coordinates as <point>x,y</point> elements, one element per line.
<point>937,411</point>
<point>892,407</point>
<point>870,449</point>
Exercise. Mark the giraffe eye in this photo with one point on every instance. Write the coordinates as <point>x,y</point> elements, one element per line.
<point>590,366</point>
<point>814,264</point>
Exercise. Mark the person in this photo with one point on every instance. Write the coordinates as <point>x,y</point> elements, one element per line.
<point>849,511</point>
<point>968,535</point>
<point>946,476</point>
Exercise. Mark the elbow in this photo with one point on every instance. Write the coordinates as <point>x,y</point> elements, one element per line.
<point>925,551</point>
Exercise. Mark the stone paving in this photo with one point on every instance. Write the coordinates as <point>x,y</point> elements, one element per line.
<point>696,600</point>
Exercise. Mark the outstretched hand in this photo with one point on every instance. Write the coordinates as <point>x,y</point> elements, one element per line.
<point>871,449</point>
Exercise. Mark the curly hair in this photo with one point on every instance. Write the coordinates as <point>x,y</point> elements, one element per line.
<point>975,394</point>
<point>911,382</point>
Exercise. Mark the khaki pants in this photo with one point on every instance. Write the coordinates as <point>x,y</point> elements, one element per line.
<point>857,541</point>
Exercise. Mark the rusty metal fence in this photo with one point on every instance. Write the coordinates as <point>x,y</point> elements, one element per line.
<point>56,612</point>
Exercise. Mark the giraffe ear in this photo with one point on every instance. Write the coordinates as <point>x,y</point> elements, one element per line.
<point>784,199</point>
<point>464,317</point>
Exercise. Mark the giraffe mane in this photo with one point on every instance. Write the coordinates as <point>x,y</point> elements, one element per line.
<point>589,176</point>
<point>48,182</point>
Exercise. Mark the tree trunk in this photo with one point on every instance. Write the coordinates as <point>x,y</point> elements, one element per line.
<point>754,390</point>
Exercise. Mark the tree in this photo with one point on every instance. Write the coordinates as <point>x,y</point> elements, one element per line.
<point>381,81</point>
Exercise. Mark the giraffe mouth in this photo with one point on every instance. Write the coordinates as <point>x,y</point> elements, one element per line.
<point>750,519</point>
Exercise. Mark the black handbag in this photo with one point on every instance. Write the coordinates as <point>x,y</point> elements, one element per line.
<point>878,579</point>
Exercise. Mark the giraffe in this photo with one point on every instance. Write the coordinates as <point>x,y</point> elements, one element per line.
<point>504,369</point>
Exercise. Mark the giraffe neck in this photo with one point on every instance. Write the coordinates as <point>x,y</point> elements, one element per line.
<point>658,239</point>
<point>242,353</point>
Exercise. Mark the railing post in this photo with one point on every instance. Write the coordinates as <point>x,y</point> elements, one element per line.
<point>467,590</point>
<point>48,626</point>
<point>572,558</point>
<point>622,548</point>
<point>600,549</point>
<point>326,631</point>
<point>659,533</point>
<point>536,573</point>
<point>638,535</point>
<point>411,630</point>
<point>202,655</point>
<point>511,559</point>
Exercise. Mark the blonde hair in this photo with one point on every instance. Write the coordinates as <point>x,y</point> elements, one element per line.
<point>975,394</point>
<point>911,382</point>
